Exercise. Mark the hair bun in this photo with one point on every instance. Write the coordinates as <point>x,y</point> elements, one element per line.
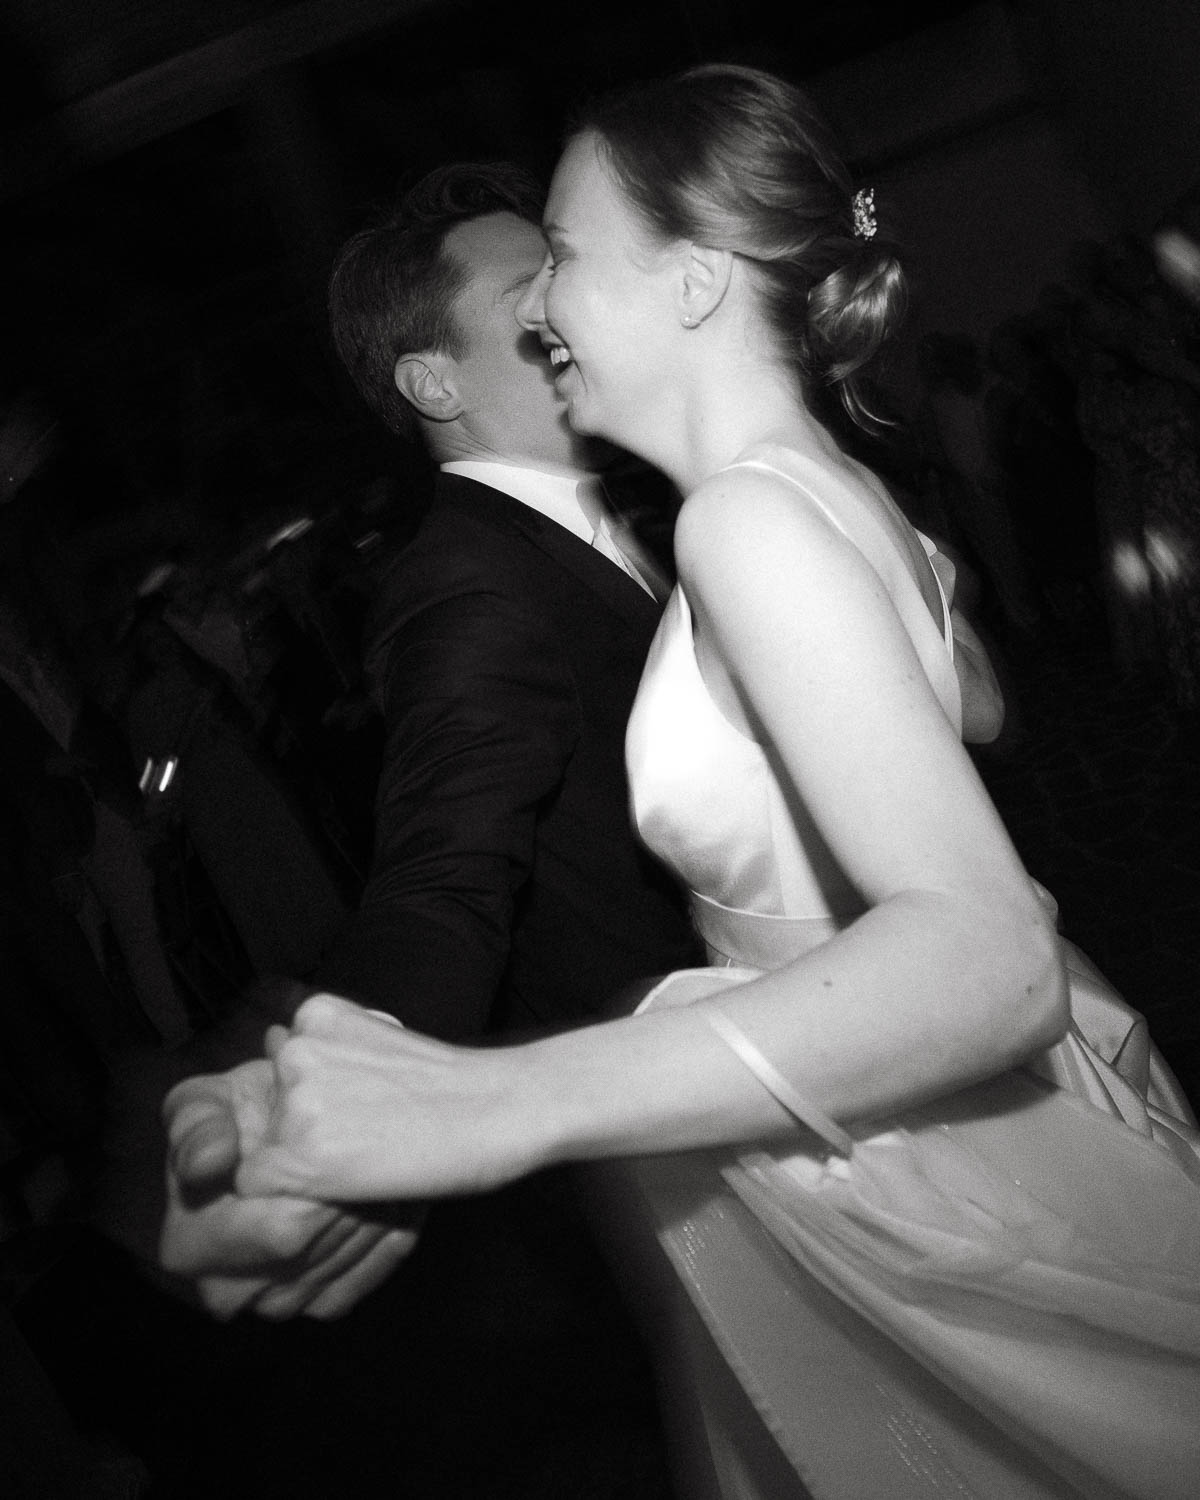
<point>853,311</point>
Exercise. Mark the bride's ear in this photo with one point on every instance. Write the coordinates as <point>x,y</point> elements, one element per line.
<point>427,382</point>
<point>705,280</point>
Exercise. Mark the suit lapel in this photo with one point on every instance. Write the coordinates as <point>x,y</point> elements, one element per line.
<point>618,591</point>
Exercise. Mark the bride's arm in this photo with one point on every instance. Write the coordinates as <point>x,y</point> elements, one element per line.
<point>952,974</point>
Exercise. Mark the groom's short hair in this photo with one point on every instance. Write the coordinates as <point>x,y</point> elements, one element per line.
<point>393,286</point>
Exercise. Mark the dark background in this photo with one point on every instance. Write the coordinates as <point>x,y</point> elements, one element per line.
<point>174,179</point>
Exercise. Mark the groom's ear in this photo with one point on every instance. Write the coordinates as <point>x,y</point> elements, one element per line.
<point>428,382</point>
<point>705,280</point>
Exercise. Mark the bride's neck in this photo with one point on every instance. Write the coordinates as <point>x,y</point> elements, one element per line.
<point>715,434</point>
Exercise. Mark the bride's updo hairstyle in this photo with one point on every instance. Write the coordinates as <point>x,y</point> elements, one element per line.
<point>739,160</point>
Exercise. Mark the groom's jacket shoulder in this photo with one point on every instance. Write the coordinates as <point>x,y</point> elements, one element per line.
<point>476,543</point>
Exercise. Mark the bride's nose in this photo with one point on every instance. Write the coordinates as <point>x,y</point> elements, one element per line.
<point>531,309</point>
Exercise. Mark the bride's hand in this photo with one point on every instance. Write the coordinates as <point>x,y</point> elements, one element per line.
<point>366,1110</point>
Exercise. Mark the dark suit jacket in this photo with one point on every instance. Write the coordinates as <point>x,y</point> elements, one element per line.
<point>507,888</point>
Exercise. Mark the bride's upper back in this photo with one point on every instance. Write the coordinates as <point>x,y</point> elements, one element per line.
<point>834,493</point>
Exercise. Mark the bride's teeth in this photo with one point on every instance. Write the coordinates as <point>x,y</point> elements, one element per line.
<point>559,355</point>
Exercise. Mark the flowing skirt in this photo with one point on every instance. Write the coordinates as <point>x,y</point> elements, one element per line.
<point>997,1295</point>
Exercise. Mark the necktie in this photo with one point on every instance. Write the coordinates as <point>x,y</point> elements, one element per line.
<point>616,541</point>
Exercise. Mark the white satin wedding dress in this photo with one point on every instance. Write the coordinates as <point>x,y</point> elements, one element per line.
<point>994,1296</point>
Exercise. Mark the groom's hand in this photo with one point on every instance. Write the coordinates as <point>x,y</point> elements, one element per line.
<point>277,1256</point>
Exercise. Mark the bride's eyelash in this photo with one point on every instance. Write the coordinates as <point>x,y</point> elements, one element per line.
<point>554,259</point>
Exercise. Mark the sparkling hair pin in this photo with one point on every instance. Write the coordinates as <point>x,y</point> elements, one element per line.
<point>863,208</point>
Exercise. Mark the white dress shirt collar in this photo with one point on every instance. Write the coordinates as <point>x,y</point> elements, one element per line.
<point>576,501</point>
<point>554,494</point>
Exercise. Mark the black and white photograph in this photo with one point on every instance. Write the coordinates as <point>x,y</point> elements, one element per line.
<point>600,730</point>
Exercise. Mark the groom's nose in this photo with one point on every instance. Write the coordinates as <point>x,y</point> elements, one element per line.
<point>531,309</point>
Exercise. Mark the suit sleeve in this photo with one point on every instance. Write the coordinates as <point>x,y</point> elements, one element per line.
<point>481,720</point>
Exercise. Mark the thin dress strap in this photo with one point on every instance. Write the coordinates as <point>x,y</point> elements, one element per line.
<point>931,552</point>
<point>929,547</point>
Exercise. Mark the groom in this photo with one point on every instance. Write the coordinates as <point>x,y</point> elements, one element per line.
<point>507,891</point>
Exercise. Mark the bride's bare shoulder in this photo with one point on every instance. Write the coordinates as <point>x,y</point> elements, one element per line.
<point>747,513</point>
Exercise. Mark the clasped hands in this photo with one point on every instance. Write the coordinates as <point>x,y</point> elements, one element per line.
<point>266,1159</point>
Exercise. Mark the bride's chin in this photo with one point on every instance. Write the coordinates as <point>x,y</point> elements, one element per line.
<point>589,424</point>
<point>579,424</point>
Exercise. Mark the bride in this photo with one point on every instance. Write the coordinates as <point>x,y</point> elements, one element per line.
<point>936,1200</point>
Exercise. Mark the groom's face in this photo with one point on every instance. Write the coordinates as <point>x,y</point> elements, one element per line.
<point>510,405</point>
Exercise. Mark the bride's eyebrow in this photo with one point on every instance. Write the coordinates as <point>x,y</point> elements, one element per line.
<point>519,283</point>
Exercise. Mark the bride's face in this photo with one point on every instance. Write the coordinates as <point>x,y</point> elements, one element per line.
<point>602,302</point>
